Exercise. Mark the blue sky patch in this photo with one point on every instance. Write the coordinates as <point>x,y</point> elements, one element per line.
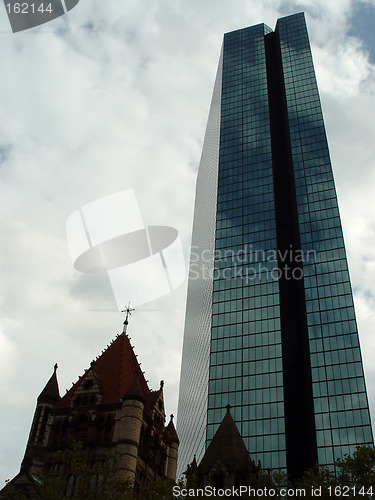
<point>362,26</point>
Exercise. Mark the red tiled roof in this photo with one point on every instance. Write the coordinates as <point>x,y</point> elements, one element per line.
<point>115,370</point>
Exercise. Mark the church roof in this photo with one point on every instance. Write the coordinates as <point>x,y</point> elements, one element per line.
<point>227,446</point>
<point>50,393</point>
<point>115,370</point>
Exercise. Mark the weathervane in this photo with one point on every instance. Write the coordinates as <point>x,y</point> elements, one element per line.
<point>128,311</point>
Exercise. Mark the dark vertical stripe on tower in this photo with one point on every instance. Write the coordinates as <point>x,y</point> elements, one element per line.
<point>300,432</point>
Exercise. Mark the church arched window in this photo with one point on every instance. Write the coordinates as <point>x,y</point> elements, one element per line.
<point>81,426</point>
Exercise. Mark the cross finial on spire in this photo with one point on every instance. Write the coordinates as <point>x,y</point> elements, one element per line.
<point>55,368</point>
<point>172,417</point>
<point>228,407</point>
<point>128,312</point>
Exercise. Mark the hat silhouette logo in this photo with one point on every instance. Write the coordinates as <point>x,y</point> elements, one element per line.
<point>26,15</point>
<point>143,262</point>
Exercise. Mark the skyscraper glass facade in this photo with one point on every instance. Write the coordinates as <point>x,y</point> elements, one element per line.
<point>270,324</point>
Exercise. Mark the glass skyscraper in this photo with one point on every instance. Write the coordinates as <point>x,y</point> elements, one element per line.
<point>270,323</point>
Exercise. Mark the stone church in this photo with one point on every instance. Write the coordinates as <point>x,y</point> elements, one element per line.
<point>110,407</point>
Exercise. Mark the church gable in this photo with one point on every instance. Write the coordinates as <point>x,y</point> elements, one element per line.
<point>155,405</point>
<point>87,391</point>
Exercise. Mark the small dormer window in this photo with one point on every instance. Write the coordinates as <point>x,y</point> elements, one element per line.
<point>87,384</point>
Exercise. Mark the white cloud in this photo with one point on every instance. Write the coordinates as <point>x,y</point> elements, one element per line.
<point>343,68</point>
<point>7,366</point>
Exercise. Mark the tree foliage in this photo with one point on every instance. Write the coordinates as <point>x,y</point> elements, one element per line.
<point>101,480</point>
<point>354,477</point>
<point>358,470</point>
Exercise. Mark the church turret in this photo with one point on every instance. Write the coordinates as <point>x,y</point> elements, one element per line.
<point>46,399</point>
<point>50,394</point>
<point>172,451</point>
<point>39,432</point>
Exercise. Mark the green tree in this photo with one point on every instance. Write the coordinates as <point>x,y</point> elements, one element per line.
<point>100,480</point>
<point>358,471</point>
<point>354,478</point>
<point>316,482</point>
<point>162,489</point>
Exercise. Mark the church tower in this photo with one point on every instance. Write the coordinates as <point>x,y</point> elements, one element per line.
<point>128,428</point>
<point>109,407</point>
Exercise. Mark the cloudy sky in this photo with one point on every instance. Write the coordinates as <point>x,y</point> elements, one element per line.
<point>115,95</point>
